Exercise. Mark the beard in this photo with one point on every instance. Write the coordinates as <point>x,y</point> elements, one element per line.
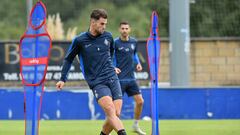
<point>100,31</point>
<point>124,34</point>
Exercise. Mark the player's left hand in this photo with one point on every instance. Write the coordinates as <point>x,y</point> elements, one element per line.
<point>117,70</point>
<point>139,67</point>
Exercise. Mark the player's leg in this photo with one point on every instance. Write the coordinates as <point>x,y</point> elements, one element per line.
<point>138,107</point>
<point>107,128</point>
<point>137,113</point>
<point>133,90</point>
<point>116,92</point>
<point>112,89</point>
<point>111,118</point>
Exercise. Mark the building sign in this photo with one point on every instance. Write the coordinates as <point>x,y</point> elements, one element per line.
<point>9,62</point>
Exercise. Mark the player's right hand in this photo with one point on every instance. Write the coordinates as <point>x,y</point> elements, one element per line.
<point>117,70</point>
<point>59,85</point>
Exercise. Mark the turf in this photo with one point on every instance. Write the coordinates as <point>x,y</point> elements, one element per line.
<point>87,127</point>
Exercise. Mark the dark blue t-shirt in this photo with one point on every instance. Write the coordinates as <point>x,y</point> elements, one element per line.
<point>95,55</point>
<point>126,57</point>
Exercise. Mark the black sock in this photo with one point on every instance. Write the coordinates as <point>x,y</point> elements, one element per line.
<point>102,133</point>
<point>121,132</point>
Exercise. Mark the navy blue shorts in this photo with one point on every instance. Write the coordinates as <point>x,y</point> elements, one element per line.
<point>108,88</point>
<point>130,87</point>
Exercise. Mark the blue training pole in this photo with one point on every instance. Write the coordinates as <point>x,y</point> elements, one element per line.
<point>153,48</point>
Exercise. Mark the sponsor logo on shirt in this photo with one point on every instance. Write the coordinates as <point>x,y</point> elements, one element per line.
<point>88,45</point>
<point>120,48</point>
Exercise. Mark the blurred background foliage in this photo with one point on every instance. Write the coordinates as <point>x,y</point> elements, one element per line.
<point>209,18</point>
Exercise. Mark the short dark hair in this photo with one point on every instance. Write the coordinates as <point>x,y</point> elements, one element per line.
<point>124,23</point>
<point>98,13</point>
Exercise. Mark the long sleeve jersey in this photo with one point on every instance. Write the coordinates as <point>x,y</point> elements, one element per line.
<point>95,55</point>
<point>125,58</point>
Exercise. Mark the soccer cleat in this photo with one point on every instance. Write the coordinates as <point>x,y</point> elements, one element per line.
<point>137,130</point>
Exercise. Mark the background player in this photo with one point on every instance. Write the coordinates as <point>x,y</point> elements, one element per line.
<point>125,56</point>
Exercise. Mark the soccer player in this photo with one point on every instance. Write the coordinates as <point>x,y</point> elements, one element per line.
<point>95,49</point>
<point>125,56</point>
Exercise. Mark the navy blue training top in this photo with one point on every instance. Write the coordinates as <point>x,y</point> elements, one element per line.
<point>125,58</point>
<point>95,55</point>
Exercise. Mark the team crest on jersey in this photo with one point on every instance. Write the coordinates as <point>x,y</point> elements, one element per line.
<point>106,42</point>
<point>132,46</point>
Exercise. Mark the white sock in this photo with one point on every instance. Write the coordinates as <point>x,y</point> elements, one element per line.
<point>136,122</point>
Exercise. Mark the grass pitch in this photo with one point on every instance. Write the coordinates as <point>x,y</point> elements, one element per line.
<point>88,127</point>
